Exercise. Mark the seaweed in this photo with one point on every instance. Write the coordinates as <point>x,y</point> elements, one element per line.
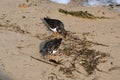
<point>76,53</point>
<point>53,76</point>
<point>81,14</point>
<point>67,71</point>
<point>114,68</point>
<point>55,62</point>
<point>44,61</point>
<point>90,59</point>
<point>12,27</point>
<point>79,50</point>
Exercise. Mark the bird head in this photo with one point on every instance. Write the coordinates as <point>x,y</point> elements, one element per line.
<point>60,39</point>
<point>62,32</point>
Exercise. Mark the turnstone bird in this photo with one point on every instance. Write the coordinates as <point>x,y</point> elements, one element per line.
<point>51,47</point>
<point>56,26</point>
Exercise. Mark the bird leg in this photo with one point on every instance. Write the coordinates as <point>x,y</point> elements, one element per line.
<point>57,34</point>
<point>52,56</point>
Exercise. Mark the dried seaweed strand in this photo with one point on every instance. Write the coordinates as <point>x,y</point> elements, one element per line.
<point>43,61</point>
<point>12,27</point>
<point>114,68</point>
<point>81,14</point>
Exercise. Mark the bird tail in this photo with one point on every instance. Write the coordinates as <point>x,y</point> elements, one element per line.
<point>43,52</point>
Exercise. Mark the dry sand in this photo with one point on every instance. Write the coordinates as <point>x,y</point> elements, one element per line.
<point>16,47</point>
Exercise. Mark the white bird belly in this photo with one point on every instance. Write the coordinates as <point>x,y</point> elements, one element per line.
<point>54,29</point>
<point>54,52</point>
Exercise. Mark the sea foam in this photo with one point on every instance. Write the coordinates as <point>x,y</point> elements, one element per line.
<point>61,1</point>
<point>101,2</point>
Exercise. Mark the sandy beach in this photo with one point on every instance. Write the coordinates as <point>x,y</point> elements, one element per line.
<point>21,25</point>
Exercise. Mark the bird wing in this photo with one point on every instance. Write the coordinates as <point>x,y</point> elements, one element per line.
<point>54,23</point>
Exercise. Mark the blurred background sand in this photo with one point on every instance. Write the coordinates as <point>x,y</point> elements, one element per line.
<point>16,48</point>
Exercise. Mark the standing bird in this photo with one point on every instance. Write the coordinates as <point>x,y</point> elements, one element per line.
<point>51,47</point>
<point>56,26</point>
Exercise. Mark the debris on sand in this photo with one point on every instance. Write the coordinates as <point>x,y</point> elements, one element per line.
<point>45,61</point>
<point>76,53</point>
<point>24,6</point>
<point>80,53</point>
<point>89,59</point>
<point>12,27</point>
<point>81,14</point>
<point>114,68</point>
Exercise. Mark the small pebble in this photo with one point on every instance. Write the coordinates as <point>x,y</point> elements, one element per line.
<point>23,17</point>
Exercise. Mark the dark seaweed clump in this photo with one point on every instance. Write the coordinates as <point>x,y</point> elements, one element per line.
<point>76,53</point>
<point>81,54</point>
<point>81,14</point>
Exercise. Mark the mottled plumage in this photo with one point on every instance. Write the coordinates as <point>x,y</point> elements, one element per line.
<point>51,47</point>
<point>56,26</point>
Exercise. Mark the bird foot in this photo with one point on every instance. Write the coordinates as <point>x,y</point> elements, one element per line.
<point>57,35</point>
<point>52,56</point>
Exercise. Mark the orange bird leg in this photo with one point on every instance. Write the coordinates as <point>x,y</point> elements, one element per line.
<point>52,56</point>
<point>56,34</point>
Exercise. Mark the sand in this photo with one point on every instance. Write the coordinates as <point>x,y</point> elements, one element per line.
<point>16,47</point>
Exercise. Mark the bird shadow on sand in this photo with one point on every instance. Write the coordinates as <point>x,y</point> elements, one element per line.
<point>41,45</point>
<point>4,76</point>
